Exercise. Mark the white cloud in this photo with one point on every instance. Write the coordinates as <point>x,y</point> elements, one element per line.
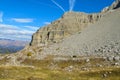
<point>47,23</point>
<point>16,37</point>
<point>5,26</point>
<point>16,32</point>
<point>32,27</point>
<point>1,15</point>
<point>22,20</point>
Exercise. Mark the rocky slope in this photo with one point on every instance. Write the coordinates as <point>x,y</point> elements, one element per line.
<point>70,23</point>
<point>100,37</point>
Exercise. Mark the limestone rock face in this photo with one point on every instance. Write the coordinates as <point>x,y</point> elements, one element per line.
<point>115,5</point>
<point>99,39</point>
<point>70,23</point>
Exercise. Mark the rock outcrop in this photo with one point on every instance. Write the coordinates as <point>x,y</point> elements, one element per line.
<point>115,5</point>
<point>99,39</point>
<point>70,23</point>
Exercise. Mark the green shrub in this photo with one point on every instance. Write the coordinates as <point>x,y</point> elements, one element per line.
<point>29,54</point>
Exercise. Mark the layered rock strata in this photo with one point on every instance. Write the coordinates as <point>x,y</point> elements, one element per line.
<point>70,23</point>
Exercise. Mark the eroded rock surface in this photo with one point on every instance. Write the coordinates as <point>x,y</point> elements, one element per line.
<point>70,23</point>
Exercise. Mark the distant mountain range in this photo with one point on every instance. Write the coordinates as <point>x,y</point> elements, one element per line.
<point>11,46</point>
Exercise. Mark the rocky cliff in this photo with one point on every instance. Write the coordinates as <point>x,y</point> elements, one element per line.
<point>99,39</point>
<point>70,23</point>
<point>115,5</point>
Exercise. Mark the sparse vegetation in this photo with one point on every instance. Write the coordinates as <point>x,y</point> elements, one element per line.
<point>29,54</point>
<point>42,71</point>
<point>49,69</point>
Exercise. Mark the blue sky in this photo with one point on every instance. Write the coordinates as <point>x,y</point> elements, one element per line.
<point>19,19</point>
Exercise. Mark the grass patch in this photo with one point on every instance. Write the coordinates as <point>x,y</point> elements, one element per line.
<point>42,71</point>
<point>27,73</point>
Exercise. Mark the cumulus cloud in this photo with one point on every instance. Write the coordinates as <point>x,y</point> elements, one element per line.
<point>22,20</point>
<point>16,32</point>
<point>1,15</point>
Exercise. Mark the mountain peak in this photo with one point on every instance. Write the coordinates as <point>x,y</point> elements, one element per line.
<point>115,5</point>
<point>73,13</point>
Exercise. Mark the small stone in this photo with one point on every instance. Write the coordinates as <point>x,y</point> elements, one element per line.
<point>117,58</point>
<point>87,60</point>
<point>71,67</point>
<point>110,58</point>
<point>104,58</point>
<point>104,75</point>
<point>109,50</point>
<point>84,69</point>
<point>118,53</point>
<point>99,65</point>
<point>109,72</point>
<point>116,64</point>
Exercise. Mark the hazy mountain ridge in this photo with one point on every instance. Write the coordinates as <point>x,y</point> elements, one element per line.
<point>11,46</point>
<point>8,42</point>
<point>10,49</point>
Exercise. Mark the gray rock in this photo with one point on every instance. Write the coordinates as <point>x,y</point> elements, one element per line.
<point>118,54</point>
<point>69,68</point>
<point>116,58</point>
<point>99,65</point>
<point>104,75</point>
<point>84,69</point>
<point>110,58</point>
<point>116,64</point>
<point>87,60</point>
